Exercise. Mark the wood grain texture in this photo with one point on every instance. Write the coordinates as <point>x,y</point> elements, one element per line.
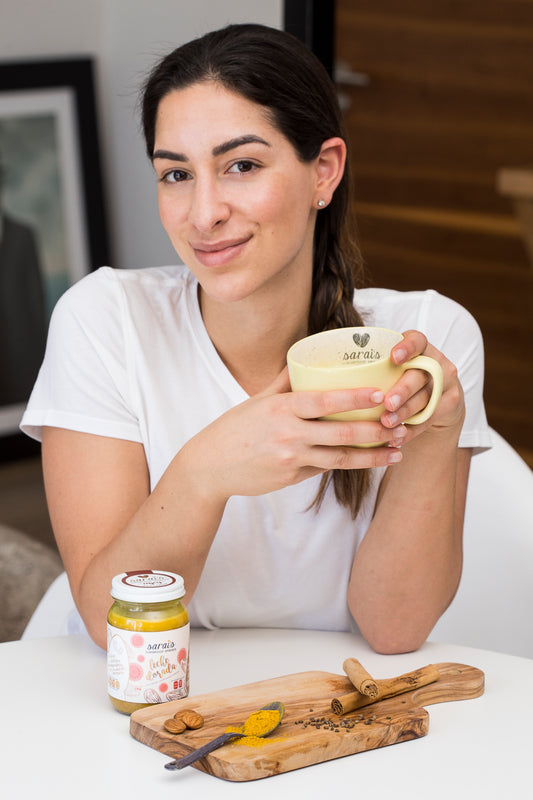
<point>297,742</point>
<point>449,104</point>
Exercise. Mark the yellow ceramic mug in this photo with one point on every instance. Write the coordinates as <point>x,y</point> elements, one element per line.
<point>353,358</point>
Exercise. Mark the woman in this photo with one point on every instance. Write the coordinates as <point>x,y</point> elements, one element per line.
<point>170,436</point>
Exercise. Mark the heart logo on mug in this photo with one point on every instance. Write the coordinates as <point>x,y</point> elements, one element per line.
<point>361,340</point>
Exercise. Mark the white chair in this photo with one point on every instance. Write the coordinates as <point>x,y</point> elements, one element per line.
<point>56,614</point>
<point>493,608</point>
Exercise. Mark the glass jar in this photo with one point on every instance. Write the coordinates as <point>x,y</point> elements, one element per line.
<point>147,640</point>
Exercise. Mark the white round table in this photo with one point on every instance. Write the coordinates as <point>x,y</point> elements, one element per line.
<point>61,738</point>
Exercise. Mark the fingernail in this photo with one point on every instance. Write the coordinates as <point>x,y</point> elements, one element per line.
<point>399,432</point>
<point>391,419</point>
<point>394,402</point>
<point>394,457</point>
<point>377,397</point>
<point>399,355</point>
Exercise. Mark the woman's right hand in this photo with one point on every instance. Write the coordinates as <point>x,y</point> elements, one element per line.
<point>276,439</point>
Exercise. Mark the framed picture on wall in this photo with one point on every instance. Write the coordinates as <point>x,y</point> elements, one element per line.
<point>52,219</point>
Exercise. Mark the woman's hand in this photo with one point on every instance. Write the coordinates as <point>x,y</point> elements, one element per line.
<point>412,392</point>
<point>277,439</point>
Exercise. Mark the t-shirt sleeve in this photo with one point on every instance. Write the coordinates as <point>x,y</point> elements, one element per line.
<point>456,333</point>
<point>84,383</point>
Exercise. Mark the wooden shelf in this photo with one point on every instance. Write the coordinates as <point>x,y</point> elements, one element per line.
<point>517,183</point>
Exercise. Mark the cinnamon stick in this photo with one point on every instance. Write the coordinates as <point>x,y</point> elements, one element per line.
<point>389,687</point>
<point>361,679</point>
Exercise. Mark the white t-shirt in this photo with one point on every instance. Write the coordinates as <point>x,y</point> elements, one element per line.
<point>128,356</point>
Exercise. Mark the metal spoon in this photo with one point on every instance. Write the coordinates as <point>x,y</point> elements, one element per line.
<point>179,763</point>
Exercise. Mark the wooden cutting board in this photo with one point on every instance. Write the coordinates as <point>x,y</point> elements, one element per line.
<point>305,736</point>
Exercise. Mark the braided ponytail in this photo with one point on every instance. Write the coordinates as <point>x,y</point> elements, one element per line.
<point>337,268</point>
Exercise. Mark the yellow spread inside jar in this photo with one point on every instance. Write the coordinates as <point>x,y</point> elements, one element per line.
<point>145,618</point>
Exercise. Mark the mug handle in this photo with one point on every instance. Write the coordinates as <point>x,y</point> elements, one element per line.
<point>435,370</point>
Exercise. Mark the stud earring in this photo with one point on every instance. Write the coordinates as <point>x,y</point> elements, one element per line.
<point>321,203</point>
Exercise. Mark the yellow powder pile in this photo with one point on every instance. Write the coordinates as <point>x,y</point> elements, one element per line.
<point>255,727</point>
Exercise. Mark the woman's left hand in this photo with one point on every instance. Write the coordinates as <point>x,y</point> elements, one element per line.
<point>412,392</point>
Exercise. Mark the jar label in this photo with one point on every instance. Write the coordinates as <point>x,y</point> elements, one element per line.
<point>148,667</point>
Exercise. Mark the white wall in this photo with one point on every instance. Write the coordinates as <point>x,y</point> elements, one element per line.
<point>125,37</point>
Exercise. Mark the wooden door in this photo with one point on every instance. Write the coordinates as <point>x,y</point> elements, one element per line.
<point>448,103</point>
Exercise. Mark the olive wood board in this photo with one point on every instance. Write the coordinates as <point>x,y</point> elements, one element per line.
<point>294,744</point>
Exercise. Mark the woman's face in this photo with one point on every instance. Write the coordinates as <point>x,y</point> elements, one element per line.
<point>234,198</point>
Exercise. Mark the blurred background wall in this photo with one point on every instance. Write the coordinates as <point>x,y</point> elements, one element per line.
<point>438,101</point>
<point>125,38</point>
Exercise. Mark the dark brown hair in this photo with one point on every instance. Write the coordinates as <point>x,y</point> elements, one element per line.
<point>277,71</point>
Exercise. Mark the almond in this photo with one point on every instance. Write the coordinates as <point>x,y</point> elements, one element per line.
<point>192,719</point>
<point>174,725</point>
